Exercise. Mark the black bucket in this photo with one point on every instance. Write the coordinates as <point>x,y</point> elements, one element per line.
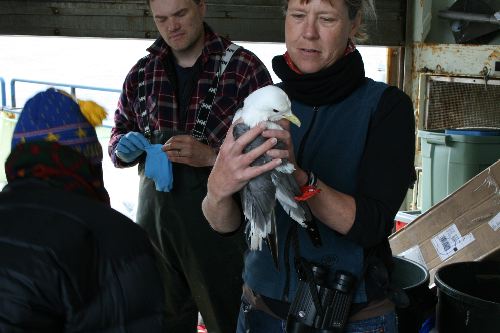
<point>413,278</point>
<point>468,297</point>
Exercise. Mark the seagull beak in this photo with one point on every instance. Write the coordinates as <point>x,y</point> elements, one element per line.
<point>293,119</point>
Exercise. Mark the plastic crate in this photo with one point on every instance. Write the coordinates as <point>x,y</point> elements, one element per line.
<point>403,218</point>
<point>450,158</point>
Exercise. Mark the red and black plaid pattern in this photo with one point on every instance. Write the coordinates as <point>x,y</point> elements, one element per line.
<point>244,74</point>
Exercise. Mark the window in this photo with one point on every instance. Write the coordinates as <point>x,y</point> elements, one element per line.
<point>104,63</point>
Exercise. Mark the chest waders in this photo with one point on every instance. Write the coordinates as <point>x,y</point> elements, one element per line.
<point>203,269</point>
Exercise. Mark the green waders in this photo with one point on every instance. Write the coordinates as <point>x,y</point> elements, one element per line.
<point>203,268</point>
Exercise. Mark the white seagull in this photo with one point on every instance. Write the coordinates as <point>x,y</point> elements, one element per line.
<point>268,104</point>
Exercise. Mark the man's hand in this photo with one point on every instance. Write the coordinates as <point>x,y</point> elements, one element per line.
<point>131,146</point>
<point>187,150</point>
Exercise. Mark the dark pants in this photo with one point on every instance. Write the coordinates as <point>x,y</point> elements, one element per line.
<point>203,269</point>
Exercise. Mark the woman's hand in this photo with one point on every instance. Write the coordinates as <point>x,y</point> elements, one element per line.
<point>285,137</point>
<point>231,171</point>
<point>333,208</point>
<point>232,168</point>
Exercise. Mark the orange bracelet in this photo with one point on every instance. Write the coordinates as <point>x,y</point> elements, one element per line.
<point>310,189</point>
<point>308,192</point>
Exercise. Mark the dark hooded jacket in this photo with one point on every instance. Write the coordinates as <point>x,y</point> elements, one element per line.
<point>69,263</point>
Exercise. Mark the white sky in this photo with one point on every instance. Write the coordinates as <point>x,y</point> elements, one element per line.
<point>104,63</point>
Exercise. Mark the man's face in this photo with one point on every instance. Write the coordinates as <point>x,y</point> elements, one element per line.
<point>316,33</point>
<point>180,23</point>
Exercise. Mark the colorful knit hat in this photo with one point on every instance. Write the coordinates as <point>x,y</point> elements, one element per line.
<point>53,115</point>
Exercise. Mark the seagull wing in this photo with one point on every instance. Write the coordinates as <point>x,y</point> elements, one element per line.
<point>258,200</point>
<point>286,190</point>
<point>258,196</point>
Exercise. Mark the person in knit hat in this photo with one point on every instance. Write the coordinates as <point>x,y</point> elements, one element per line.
<point>55,139</point>
<point>68,261</point>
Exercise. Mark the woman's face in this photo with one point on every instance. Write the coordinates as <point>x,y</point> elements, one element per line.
<point>316,33</point>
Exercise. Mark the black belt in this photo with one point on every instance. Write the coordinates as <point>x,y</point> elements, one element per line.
<point>273,307</point>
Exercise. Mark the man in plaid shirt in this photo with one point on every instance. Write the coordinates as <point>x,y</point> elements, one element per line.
<point>203,269</point>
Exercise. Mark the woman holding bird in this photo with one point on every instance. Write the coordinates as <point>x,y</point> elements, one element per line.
<point>346,153</point>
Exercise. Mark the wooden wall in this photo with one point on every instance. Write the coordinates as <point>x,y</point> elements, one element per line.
<point>240,20</point>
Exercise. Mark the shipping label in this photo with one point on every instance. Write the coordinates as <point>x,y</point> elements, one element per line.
<point>449,241</point>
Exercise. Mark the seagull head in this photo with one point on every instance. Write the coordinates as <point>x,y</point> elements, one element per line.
<point>268,103</point>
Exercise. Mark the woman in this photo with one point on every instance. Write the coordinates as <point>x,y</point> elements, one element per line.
<point>355,146</point>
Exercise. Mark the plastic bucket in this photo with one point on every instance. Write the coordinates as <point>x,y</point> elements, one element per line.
<point>413,278</point>
<point>474,131</point>
<point>468,297</point>
<point>450,158</point>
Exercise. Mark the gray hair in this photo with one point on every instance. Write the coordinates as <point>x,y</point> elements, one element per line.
<point>366,8</point>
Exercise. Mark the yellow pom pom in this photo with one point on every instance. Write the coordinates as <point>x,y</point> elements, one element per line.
<point>94,113</point>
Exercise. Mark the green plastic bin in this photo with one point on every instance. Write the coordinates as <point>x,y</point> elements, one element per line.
<point>450,158</point>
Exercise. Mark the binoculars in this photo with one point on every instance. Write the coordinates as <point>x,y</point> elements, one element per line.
<point>317,308</point>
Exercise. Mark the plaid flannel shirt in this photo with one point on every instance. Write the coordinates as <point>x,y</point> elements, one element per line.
<point>244,74</point>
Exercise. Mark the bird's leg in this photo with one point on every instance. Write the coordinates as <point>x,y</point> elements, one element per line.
<point>272,243</point>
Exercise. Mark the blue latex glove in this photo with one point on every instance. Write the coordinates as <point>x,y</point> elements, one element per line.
<point>131,146</point>
<point>159,168</point>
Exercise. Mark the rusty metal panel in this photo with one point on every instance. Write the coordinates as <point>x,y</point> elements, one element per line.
<point>248,20</point>
<point>456,59</point>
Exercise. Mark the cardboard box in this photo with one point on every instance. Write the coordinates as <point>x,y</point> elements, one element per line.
<point>465,226</point>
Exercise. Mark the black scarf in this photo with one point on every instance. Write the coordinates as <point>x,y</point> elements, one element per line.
<point>327,86</point>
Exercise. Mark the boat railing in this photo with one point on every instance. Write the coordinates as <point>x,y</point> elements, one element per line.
<point>73,87</point>
<point>2,92</point>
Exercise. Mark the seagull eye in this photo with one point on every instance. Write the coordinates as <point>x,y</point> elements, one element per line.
<point>276,111</point>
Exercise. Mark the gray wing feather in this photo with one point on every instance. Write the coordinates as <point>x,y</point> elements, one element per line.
<point>286,189</point>
<point>238,130</point>
<point>258,200</point>
<point>258,195</point>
